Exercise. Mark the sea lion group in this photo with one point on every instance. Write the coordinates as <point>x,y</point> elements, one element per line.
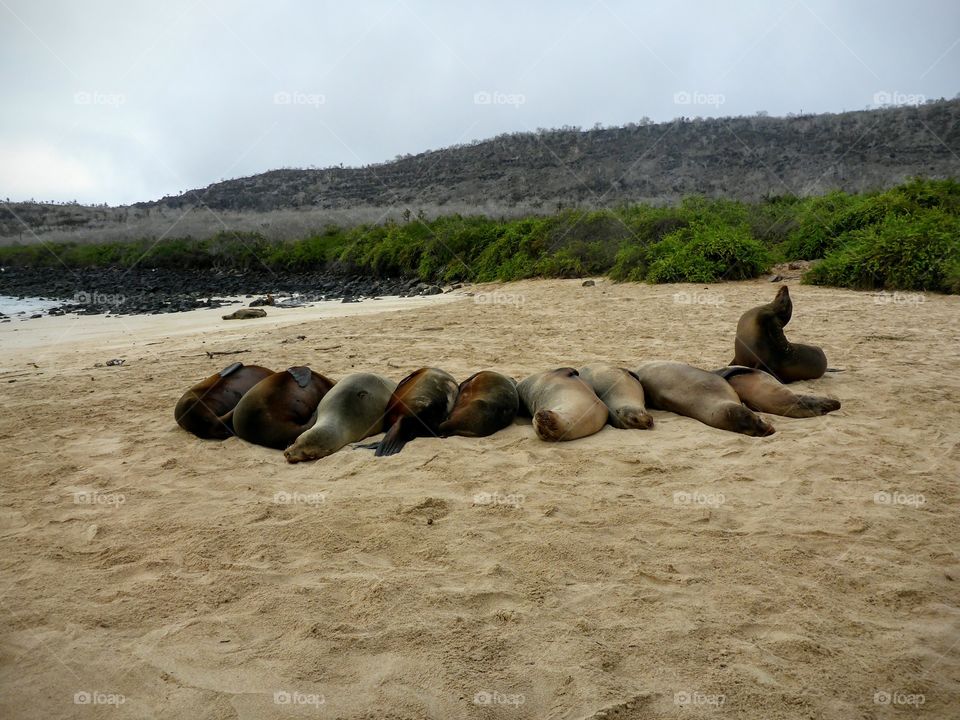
<point>310,416</point>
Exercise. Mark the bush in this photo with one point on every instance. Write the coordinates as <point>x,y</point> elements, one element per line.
<point>704,253</point>
<point>817,220</point>
<point>631,264</point>
<point>825,222</point>
<point>903,238</point>
<point>920,251</point>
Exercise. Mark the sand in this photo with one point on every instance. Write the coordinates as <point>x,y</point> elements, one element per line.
<point>678,572</point>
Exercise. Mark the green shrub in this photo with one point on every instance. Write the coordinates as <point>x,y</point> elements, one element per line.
<point>920,251</point>
<point>904,237</point>
<point>631,264</point>
<point>815,231</point>
<point>703,253</point>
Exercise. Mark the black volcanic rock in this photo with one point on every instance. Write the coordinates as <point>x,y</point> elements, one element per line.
<point>117,291</point>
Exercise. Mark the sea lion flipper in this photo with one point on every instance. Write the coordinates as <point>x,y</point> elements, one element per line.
<point>227,420</point>
<point>301,374</point>
<point>733,370</point>
<point>230,369</point>
<point>393,441</point>
<point>631,372</point>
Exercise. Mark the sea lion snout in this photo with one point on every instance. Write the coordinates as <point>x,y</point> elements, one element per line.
<point>294,454</point>
<point>634,418</point>
<point>303,452</point>
<point>747,422</point>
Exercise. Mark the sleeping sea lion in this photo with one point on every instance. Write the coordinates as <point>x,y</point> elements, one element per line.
<point>420,403</point>
<point>486,402</point>
<point>701,395</point>
<point>351,411</point>
<point>206,409</point>
<point>246,314</point>
<point>562,405</point>
<point>621,391</point>
<point>762,392</point>
<point>760,343</point>
<point>280,407</point>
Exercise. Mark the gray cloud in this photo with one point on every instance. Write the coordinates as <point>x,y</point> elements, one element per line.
<point>125,101</point>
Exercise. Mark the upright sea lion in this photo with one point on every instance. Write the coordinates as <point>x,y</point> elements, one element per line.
<point>206,409</point>
<point>701,395</point>
<point>762,392</point>
<point>761,343</point>
<point>562,405</point>
<point>351,411</point>
<point>487,402</point>
<point>621,391</point>
<point>280,407</point>
<point>420,403</point>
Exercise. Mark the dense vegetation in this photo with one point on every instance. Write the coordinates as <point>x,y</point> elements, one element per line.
<point>907,237</point>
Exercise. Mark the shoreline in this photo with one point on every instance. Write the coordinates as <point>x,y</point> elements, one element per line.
<point>136,331</point>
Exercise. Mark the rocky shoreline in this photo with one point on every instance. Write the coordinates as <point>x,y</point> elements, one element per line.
<point>120,291</point>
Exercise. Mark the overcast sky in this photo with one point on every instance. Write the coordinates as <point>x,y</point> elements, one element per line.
<point>124,101</point>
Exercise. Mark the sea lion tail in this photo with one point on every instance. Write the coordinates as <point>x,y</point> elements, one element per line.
<point>393,441</point>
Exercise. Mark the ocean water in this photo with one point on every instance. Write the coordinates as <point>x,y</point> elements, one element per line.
<point>12,306</point>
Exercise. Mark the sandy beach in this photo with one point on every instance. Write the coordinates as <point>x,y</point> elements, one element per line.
<point>680,572</point>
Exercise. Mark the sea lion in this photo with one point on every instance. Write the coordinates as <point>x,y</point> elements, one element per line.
<point>562,405</point>
<point>486,402</point>
<point>245,314</point>
<point>621,391</point>
<point>351,411</point>
<point>762,392</point>
<point>420,403</point>
<point>280,407</point>
<point>206,409</point>
<point>701,395</point>
<point>760,343</point>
